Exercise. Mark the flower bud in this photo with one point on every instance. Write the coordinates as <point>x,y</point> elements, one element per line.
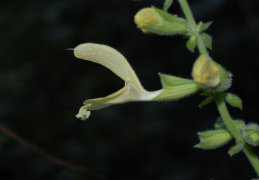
<point>205,72</point>
<point>210,75</point>
<point>251,134</point>
<point>153,20</point>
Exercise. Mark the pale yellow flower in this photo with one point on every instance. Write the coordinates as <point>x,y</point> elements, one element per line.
<point>113,60</point>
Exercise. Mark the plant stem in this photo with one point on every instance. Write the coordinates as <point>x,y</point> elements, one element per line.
<point>220,98</point>
<point>201,46</point>
<point>236,133</point>
<point>227,119</point>
<point>188,14</point>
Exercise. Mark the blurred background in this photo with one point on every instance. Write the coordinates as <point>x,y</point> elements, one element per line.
<point>42,87</point>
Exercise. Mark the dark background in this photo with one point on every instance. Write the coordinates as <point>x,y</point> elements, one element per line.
<point>42,86</point>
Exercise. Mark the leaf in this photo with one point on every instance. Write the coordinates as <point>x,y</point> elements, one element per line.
<point>206,101</point>
<point>167,4</point>
<point>192,43</point>
<point>204,26</point>
<point>207,39</point>
<point>233,100</point>
<point>236,149</point>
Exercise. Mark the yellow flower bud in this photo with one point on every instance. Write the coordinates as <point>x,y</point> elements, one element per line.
<point>153,20</point>
<point>205,72</point>
<point>145,17</point>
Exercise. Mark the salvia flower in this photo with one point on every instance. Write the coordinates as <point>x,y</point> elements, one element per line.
<point>115,61</point>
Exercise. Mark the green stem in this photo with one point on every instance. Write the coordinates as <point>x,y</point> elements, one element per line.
<point>220,99</point>
<point>236,133</point>
<point>201,46</point>
<point>188,14</point>
<point>227,119</point>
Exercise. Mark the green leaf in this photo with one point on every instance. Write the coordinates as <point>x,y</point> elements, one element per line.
<point>236,149</point>
<point>233,100</point>
<point>167,4</point>
<point>213,139</point>
<point>192,43</point>
<point>203,26</point>
<point>206,101</point>
<point>207,39</point>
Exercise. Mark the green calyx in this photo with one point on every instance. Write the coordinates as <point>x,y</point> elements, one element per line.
<point>175,88</point>
<point>213,139</point>
<point>251,134</point>
<point>226,80</point>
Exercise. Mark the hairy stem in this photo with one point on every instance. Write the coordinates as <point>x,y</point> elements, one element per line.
<point>188,14</point>
<point>201,46</point>
<point>220,99</point>
<point>236,133</point>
